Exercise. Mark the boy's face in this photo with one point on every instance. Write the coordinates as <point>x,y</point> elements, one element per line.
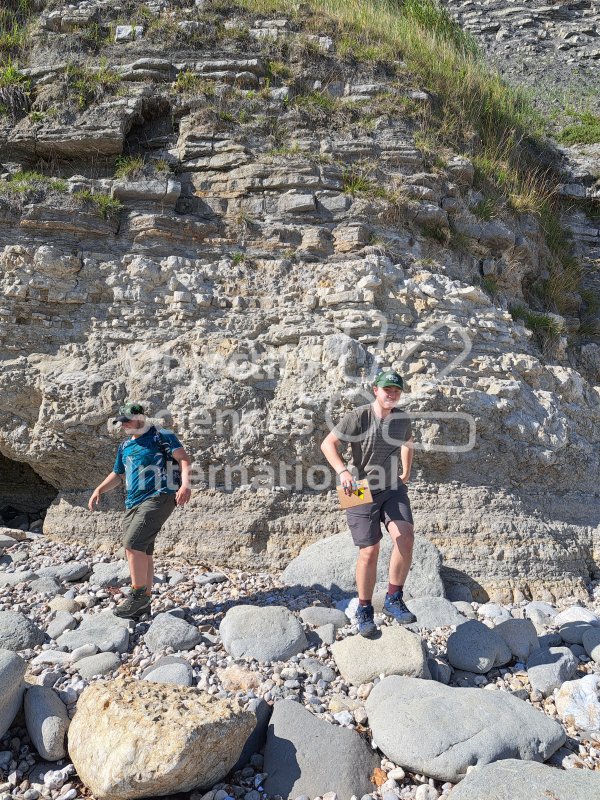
<point>132,425</point>
<point>387,396</point>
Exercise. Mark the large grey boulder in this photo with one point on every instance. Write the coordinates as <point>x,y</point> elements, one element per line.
<point>521,637</point>
<point>511,779</point>
<point>576,614</point>
<point>104,630</point>
<point>591,642</point>
<point>167,630</point>
<point>395,651</point>
<point>12,670</point>
<point>271,633</point>
<point>329,564</point>
<point>573,632</point>
<point>305,755</point>
<point>47,722</point>
<point>70,572</point>
<point>474,647</point>
<point>439,731</point>
<point>434,612</point>
<point>547,669</point>
<point>17,632</point>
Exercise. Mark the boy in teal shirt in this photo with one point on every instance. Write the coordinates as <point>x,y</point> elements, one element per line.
<point>157,478</point>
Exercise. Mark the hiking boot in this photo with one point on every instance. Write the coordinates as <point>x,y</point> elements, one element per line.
<point>395,607</point>
<point>366,623</point>
<point>134,606</point>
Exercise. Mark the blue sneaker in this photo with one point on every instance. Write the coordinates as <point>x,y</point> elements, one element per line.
<point>366,623</point>
<point>395,607</point>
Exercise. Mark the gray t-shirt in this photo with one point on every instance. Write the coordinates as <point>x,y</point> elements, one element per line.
<point>375,444</point>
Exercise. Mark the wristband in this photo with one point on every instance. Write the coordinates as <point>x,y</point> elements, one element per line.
<point>344,470</point>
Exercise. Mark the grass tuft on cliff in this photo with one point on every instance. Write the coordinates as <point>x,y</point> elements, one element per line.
<point>14,17</point>
<point>585,131</point>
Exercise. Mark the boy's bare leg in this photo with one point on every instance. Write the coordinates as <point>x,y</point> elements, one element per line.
<point>366,571</point>
<point>138,567</point>
<point>402,534</point>
<point>149,575</point>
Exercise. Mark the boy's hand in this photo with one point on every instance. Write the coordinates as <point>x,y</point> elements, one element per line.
<point>347,482</point>
<point>94,500</point>
<point>183,495</point>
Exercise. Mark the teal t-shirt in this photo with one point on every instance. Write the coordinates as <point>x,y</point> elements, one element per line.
<point>144,465</point>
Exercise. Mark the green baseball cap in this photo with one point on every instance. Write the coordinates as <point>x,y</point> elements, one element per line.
<point>389,378</point>
<point>129,411</point>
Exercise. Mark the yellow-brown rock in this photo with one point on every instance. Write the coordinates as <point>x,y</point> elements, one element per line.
<point>133,739</point>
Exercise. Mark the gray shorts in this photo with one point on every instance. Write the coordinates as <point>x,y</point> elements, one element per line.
<point>143,522</point>
<point>389,505</point>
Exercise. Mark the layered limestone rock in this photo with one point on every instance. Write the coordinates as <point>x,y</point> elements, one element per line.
<point>273,258</point>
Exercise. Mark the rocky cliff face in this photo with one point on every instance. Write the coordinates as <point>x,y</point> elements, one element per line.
<point>274,236</point>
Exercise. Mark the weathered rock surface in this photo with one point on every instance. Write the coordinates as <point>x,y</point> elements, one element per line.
<point>169,631</point>
<point>521,637</point>
<point>169,669</point>
<point>396,651</point>
<point>104,630</point>
<point>47,722</point>
<point>434,612</point>
<point>330,564</point>
<point>12,670</point>
<point>578,704</point>
<point>300,752</point>
<point>72,571</point>
<point>476,648</point>
<point>512,779</point>
<point>439,731</point>
<point>153,739</point>
<point>320,615</point>
<point>115,573</point>
<point>265,634</point>
<point>98,664</point>
<point>18,632</point>
<point>591,642</point>
<point>61,622</point>
<point>548,668</point>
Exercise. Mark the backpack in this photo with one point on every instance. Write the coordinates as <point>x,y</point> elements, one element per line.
<point>173,471</point>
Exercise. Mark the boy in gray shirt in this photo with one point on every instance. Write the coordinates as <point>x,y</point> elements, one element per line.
<point>380,438</point>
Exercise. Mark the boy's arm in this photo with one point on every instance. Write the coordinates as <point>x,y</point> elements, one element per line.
<point>330,446</point>
<point>110,482</point>
<point>185,462</point>
<point>406,454</point>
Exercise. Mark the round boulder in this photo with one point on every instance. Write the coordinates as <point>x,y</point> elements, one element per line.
<point>476,648</point>
<point>266,634</point>
<point>17,632</point>
<point>12,670</point>
<point>47,722</point>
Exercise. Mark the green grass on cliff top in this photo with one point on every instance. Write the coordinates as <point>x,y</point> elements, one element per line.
<point>469,96</point>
